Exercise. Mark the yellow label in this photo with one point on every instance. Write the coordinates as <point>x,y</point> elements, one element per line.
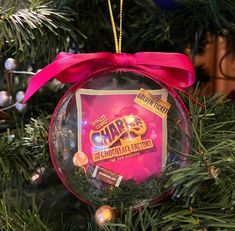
<point>123,150</point>
<point>152,103</point>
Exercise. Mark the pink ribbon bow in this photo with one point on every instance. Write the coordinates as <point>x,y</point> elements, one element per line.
<point>173,69</point>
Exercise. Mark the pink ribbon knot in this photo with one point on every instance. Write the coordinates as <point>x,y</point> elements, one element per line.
<point>124,60</point>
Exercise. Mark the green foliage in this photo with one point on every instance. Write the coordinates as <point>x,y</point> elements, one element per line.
<point>28,150</point>
<point>30,27</point>
<point>173,216</point>
<point>27,30</point>
<point>127,194</point>
<point>15,215</point>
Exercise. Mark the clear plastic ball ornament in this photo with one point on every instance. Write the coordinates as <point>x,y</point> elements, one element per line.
<point>109,149</point>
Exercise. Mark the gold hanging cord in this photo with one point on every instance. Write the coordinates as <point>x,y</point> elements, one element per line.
<point>117,40</point>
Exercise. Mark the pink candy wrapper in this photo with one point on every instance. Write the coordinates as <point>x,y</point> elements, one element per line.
<point>120,135</point>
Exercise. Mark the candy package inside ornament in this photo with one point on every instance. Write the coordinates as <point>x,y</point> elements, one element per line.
<point>114,137</point>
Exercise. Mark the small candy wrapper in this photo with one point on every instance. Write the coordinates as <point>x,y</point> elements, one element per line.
<point>107,176</point>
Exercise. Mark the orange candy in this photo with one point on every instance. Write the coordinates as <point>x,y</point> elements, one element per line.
<point>80,159</point>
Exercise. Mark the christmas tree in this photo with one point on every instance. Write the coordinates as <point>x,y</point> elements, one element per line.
<point>32,33</point>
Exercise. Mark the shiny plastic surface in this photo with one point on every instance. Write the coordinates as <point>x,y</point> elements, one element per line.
<point>107,149</point>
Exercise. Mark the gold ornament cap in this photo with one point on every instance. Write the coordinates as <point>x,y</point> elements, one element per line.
<point>103,215</point>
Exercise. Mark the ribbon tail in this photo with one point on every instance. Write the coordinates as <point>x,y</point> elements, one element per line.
<point>63,62</point>
<point>39,80</point>
<point>193,100</point>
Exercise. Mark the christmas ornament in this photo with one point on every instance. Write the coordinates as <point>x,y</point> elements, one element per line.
<point>103,215</point>
<point>36,177</point>
<point>10,64</point>
<point>120,125</point>
<point>21,107</point>
<point>19,96</point>
<point>5,99</point>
